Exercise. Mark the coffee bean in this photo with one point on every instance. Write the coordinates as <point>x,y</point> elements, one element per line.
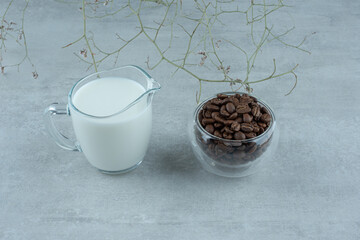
<point>263,125</point>
<point>265,118</point>
<point>235,101</point>
<point>225,101</point>
<point>224,148</point>
<point>223,111</point>
<point>207,121</point>
<point>239,154</point>
<point>243,108</point>
<point>222,96</point>
<point>256,112</point>
<point>219,119</point>
<point>211,146</point>
<point>256,129</point>
<point>246,99</point>
<point>242,147</point>
<point>261,130</point>
<point>254,123</point>
<point>228,122</point>
<point>214,114</point>
<point>200,116</point>
<point>253,104</point>
<point>230,107</point>
<point>239,136</point>
<point>247,118</point>
<point>252,149</point>
<point>218,125</point>
<point>239,119</point>
<point>212,107</point>
<point>216,101</point>
<point>227,129</point>
<point>236,144</point>
<point>235,126</point>
<point>246,127</point>
<point>253,98</point>
<point>227,135</point>
<point>264,110</point>
<point>233,116</point>
<point>206,105</point>
<point>209,128</point>
<point>203,113</point>
<point>217,134</point>
<point>250,135</point>
<point>207,114</point>
<point>219,151</point>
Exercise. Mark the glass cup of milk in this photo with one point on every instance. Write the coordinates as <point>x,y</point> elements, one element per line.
<point>111,113</point>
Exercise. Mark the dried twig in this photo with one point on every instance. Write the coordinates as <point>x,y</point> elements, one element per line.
<point>8,29</point>
<point>201,38</point>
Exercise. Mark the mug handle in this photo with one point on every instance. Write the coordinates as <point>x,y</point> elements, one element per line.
<point>61,140</point>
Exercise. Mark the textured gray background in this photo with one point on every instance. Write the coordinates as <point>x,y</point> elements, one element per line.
<point>309,191</point>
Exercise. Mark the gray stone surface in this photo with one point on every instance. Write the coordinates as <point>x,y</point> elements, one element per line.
<point>310,190</point>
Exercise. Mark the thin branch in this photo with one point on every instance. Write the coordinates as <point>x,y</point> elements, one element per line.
<point>206,18</point>
<point>86,38</point>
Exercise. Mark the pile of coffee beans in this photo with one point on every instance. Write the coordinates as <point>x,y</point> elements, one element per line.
<point>234,117</point>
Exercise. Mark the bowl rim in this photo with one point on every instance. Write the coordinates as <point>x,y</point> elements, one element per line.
<point>270,129</point>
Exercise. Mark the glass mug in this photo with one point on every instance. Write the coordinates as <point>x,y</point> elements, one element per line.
<point>115,143</point>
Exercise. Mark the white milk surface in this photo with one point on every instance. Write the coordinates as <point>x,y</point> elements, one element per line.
<point>117,142</point>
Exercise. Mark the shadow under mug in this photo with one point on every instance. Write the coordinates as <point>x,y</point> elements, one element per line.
<point>116,143</point>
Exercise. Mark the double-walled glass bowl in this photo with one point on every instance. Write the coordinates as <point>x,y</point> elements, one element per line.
<point>232,158</point>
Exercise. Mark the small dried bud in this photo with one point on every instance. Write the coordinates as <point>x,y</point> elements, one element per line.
<point>203,60</point>
<point>227,70</point>
<point>2,70</point>
<point>249,89</point>
<point>217,43</point>
<point>21,35</point>
<point>35,75</point>
<point>83,52</point>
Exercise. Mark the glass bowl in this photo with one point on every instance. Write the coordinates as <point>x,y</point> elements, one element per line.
<point>232,158</point>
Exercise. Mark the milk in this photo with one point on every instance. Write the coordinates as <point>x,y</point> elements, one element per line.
<point>112,143</point>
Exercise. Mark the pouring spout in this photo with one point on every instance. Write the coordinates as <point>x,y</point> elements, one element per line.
<point>154,86</point>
